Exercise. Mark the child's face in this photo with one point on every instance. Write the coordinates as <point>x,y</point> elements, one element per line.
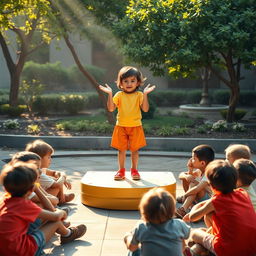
<point>197,164</point>
<point>46,161</point>
<point>129,84</point>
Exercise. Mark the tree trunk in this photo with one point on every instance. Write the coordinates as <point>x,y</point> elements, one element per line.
<point>91,79</point>
<point>15,79</point>
<point>233,100</point>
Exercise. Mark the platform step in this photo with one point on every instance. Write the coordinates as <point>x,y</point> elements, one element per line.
<point>100,190</point>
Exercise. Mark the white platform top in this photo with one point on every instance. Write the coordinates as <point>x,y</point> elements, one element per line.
<point>148,179</point>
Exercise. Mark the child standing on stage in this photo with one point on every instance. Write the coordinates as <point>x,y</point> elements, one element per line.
<point>128,132</point>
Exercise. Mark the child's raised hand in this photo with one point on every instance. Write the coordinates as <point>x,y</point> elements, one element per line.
<point>107,89</point>
<point>149,88</point>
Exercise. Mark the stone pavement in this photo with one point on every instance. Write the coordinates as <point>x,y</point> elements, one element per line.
<point>106,228</point>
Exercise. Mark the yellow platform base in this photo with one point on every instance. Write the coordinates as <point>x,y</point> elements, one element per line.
<point>100,190</point>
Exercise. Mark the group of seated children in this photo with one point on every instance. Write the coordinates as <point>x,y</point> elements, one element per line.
<point>218,191</point>
<point>30,212</point>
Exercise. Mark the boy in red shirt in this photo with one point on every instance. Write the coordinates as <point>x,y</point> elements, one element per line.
<point>17,212</point>
<point>232,214</point>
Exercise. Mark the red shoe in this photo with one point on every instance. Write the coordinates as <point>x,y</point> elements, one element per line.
<point>135,174</point>
<point>120,175</point>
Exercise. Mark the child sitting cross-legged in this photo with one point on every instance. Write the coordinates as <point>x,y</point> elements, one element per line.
<point>30,157</point>
<point>52,181</point>
<point>194,182</point>
<point>232,214</point>
<point>17,212</point>
<point>158,233</point>
<point>246,175</point>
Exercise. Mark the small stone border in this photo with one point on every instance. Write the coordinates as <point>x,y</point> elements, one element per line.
<point>103,142</point>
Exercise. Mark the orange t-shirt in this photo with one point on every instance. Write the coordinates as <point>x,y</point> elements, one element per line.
<point>128,105</point>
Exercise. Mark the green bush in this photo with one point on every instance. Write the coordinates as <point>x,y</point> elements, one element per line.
<point>80,81</point>
<point>92,101</point>
<point>151,112</point>
<point>220,97</point>
<point>247,98</point>
<point>193,96</point>
<point>73,103</point>
<point>46,104</point>
<point>51,74</point>
<point>239,114</point>
<point>85,126</point>
<point>12,111</point>
<point>58,78</point>
<point>11,124</point>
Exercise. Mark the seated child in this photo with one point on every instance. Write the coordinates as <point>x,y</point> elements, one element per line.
<point>30,157</point>
<point>232,213</point>
<point>158,233</point>
<point>195,191</point>
<point>246,175</point>
<point>237,151</point>
<point>15,236</point>
<point>51,181</point>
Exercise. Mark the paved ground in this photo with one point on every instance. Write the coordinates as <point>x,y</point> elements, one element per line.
<point>106,228</point>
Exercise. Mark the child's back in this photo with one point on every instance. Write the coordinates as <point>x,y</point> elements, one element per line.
<point>159,234</point>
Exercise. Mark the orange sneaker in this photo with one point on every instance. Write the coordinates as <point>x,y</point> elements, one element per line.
<point>135,174</point>
<point>120,175</point>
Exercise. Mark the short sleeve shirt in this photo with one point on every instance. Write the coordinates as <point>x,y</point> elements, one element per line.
<point>161,239</point>
<point>128,105</point>
<point>15,216</point>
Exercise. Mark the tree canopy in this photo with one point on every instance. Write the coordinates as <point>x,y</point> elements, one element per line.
<point>180,36</point>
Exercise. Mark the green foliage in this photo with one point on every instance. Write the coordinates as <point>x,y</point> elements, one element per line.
<point>221,96</point>
<point>11,124</point>
<point>73,103</point>
<point>33,129</point>
<point>78,79</point>
<point>58,78</point>
<point>51,74</point>
<point>238,127</point>
<point>239,114</point>
<point>151,112</point>
<point>13,111</point>
<point>170,131</point>
<point>220,126</point>
<point>30,90</point>
<point>85,126</point>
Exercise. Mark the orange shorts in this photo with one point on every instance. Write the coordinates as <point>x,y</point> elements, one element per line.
<point>125,138</point>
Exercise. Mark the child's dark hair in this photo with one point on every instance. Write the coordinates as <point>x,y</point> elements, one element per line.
<point>18,179</point>
<point>204,153</point>
<point>157,206</point>
<point>25,156</point>
<point>246,171</point>
<point>222,176</point>
<point>39,147</point>
<point>128,71</point>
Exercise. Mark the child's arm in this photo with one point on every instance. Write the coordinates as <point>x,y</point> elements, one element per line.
<point>52,216</point>
<point>145,105</point>
<point>57,175</point>
<point>199,210</point>
<point>110,104</point>
<point>45,202</point>
<point>199,187</point>
<point>129,245</point>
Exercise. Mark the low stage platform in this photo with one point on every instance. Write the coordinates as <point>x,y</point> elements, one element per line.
<point>100,190</point>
